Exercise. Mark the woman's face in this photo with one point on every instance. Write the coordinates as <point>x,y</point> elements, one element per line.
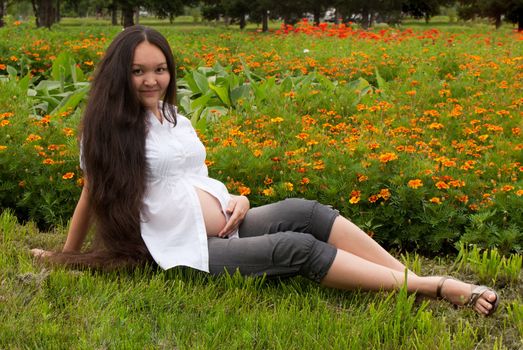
<point>150,75</point>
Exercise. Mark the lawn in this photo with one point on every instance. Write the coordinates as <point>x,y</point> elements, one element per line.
<point>413,132</point>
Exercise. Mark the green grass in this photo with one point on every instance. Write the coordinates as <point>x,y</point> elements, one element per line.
<point>55,308</point>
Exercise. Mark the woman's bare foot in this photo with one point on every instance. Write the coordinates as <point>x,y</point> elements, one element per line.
<point>482,299</point>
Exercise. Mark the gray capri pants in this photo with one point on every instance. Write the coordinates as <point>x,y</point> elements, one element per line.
<point>282,239</point>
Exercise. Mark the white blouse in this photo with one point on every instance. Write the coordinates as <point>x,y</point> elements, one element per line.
<point>172,223</point>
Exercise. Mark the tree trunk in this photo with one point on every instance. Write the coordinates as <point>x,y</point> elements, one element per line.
<point>243,22</point>
<point>2,11</point>
<point>316,12</point>
<point>520,21</point>
<point>265,21</point>
<point>127,16</point>
<point>427,18</point>
<point>58,16</point>
<point>45,13</point>
<point>365,18</point>
<point>114,13</point>
<point>497,21</point>
<point>137,15</point>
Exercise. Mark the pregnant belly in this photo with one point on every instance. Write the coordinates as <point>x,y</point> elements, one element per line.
<point>212,213</point>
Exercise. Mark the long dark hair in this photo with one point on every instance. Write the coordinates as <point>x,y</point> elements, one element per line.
<point>113,130</point>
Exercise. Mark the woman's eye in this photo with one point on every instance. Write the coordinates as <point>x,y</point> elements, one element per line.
<point>136,71</point>
<point>161,70</point>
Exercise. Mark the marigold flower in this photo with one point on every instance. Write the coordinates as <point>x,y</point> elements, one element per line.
<point>442,185</point>
<point>68,176</point>
<point>374,198</point>
<point>4,122</point>
<point>519,193</point>
<point>305,181</point>
<point>48,161</point>
<point>209,162</point>
<point>411,92</point>
<point>68,131</point>
<point>385,193</point>
<point>244,190</point>
<point>89,63</point>
<point>507,188</point>
<point>3,148</point>
<point>387,157</point>
<point>435,200</point>
<point>416,183</point>
<point>13,58</point>
<point>289,186</point>
<point>463,199</point>
<point>257,153</point>
<point>268,192</point>
<point>267,181</point>
<point>277,120</point>
<point>354,199</point>
<point>2,66</point>
<point>33,137</point>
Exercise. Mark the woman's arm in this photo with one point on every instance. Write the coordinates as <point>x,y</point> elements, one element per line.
<point>80,223</point>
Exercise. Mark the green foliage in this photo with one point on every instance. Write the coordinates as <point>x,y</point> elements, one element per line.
<point>490,266</point>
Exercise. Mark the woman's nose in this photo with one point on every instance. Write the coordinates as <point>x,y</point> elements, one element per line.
<point>149,81</point>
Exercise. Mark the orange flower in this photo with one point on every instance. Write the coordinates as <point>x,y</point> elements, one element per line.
<point>385,193</point>
<point>2,66</point>
<point>269,192</point>
<point>411,92</point>
<point>48,161</point>
<point>13,58</point>
<point>416,183</point>
<point>33,137</point>
<point>4,122</point>
<point>3,148</point>
<point>387,157</point>
<point>463,199</point>
<point>289,186</point>
<point>519,193</point>
<point>305,181</point>
<point>442,185</point>
<point>267,181</point>
<point>257,153</point>
<point>244,190</point>
<point>209,162</point>
<point>68,176</point>
<point>374,198</point>
<point>68,131</point>
<point>435,200</point>
<point>507,188</point>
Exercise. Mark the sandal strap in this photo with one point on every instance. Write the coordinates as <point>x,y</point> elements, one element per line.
<point>440,286</point>
<point>476,293</point>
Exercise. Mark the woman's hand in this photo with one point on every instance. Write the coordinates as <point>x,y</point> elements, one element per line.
<point>238,207</point>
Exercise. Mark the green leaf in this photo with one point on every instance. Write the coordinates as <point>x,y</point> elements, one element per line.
<point>222,92</point>
<point>382,84</point>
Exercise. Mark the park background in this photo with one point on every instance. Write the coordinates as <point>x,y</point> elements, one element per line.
<point>411,127</point>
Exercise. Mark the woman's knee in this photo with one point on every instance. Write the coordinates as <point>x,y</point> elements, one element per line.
<point>309,256</point>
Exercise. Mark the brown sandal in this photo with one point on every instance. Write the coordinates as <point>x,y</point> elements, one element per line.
<point>475,294</point>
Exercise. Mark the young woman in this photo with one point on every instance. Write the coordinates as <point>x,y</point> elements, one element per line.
<point>148,193</point>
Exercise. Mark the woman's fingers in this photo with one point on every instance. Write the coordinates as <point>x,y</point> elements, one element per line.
<point>40,253</point>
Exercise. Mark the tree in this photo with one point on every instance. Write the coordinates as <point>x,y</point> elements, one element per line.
<point>423,8</point>
<point>45,12</point>
<point>493,9</point>
<point>515,13</point>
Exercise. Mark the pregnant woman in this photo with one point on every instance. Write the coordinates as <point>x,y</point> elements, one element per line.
<point>148,195</point>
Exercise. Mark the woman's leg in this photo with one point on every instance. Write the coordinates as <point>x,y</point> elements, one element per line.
<point>350,238</point>
<point>349,271</point>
